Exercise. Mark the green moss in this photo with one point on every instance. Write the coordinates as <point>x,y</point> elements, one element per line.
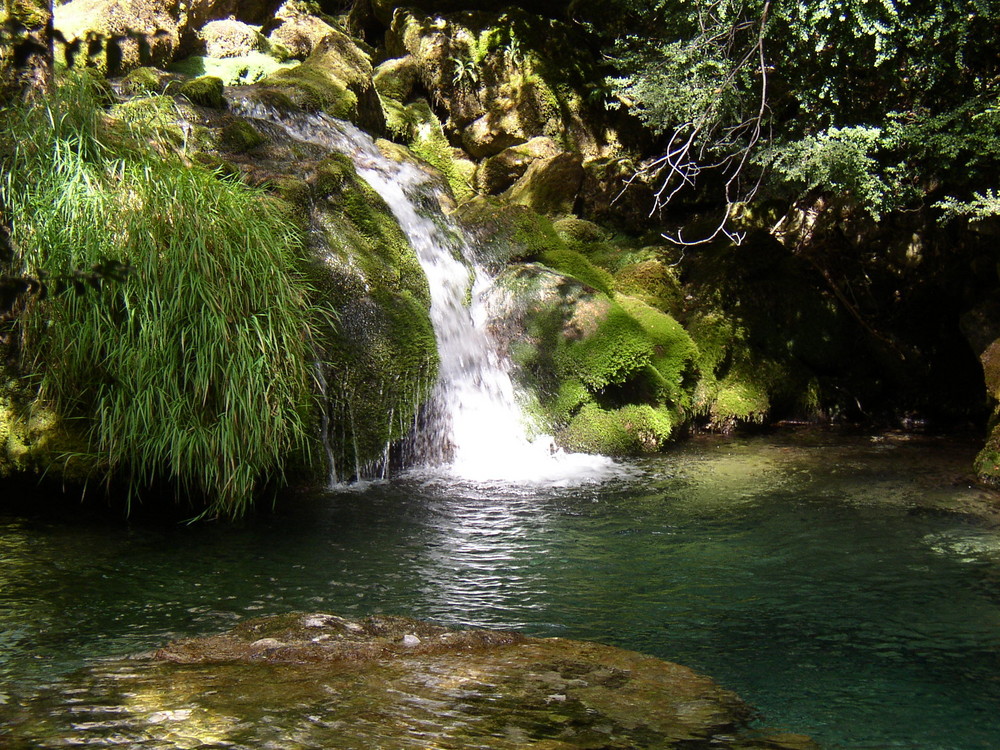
<point>570,397</point>
<point>653,282</point>
<point>142,81</point>
<point>740,399</point>
<point>572,263</point>
<point>987,462</point>
<point>573,229</point>
<point>239,136</point>
<point>428,142</point>
<point>674,351</point>
<point>736,383</point>
<point>35,439</point>
<point>382,367</point>
<point>602,345</point>
<point>332,174</point>
<point>627,431</point>
<point>206,91</point>
<point>292,190</point>
<point>315,90</point>
<point>396,78</point>
<point>233,71</point>
<point>400,120</point>
<point>382,358</point>
<point>508,232</point>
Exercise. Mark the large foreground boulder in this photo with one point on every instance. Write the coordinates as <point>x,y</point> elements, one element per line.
<point>318,680</point>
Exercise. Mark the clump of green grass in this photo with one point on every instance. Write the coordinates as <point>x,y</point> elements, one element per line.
<point>195,369</point>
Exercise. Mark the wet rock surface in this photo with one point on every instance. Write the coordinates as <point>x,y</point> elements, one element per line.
<point>318,680</point>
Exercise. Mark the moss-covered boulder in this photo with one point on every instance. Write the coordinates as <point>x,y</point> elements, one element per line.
<point>35,439</point>
<point>608,373</point>
<point>238,136</point>
<point>549,186</point>
<point>205,90</point>
<point>116,36</point>
<point>381,356</point>
<point>337,79</point>
<point>497,173</point>
<point>229,38</point>
<point>613,194</point>
<point>239,70</point>
<point>507,232</point>
<point>624,431</point>
<point>143,81</point>
<point>297,30</point>
<point>397,77</point>
<point>981,328</point>
<point>426,139</point>
<point>652,281</point>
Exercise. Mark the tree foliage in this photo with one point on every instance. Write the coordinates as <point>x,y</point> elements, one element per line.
<point>887,102</point>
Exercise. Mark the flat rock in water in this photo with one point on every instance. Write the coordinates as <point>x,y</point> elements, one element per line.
<point>318,680</point>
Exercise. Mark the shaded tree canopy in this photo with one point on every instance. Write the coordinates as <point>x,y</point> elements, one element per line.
<point>892,104</point>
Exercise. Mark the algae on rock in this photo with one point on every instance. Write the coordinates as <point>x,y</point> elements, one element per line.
<point>382,358</point>
<point>336,78</point>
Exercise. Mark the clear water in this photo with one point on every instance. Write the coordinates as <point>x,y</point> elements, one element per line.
<point>827,580</point>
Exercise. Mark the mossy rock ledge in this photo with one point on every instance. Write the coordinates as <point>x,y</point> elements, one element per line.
<point>319,680</point>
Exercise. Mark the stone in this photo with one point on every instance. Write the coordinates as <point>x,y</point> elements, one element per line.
<point>337,79</point>
<point>239,136</point>
<point>35,439</point>
<point>25,52</point>
<point>296,31</point>
<point>253,12</point>
<point>230,38</point>
<point>549,186</point>
<point>497,173</point>
<point>494,132</point>
<point>990,359</point>
<point>493,82</point>
<point>144,81</point>
<point>368,685</point>
<point>606,195</point>
<point>116,36</point>
<point>396,78</point>
<point>234,71</point>
<point>579,230</point>
<point>206,91</point>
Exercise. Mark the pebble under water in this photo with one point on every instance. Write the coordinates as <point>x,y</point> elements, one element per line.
<point>833,582</point>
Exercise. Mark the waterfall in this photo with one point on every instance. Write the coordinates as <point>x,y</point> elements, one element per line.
<point>473,427</point>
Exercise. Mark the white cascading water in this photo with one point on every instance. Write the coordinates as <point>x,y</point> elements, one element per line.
<point>475,429</point>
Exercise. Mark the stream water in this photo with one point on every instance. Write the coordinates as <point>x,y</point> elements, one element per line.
<point>829,580</point>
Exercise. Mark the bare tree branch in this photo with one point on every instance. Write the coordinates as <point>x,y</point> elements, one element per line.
<point>692,143</point>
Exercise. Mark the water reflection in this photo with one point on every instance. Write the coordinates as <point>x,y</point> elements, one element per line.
<point>479,551</point>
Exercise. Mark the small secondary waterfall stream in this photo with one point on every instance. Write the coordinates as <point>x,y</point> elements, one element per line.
<point>473,427</point>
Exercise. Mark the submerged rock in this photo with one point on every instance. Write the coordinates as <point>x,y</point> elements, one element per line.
<point>318,680</point>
